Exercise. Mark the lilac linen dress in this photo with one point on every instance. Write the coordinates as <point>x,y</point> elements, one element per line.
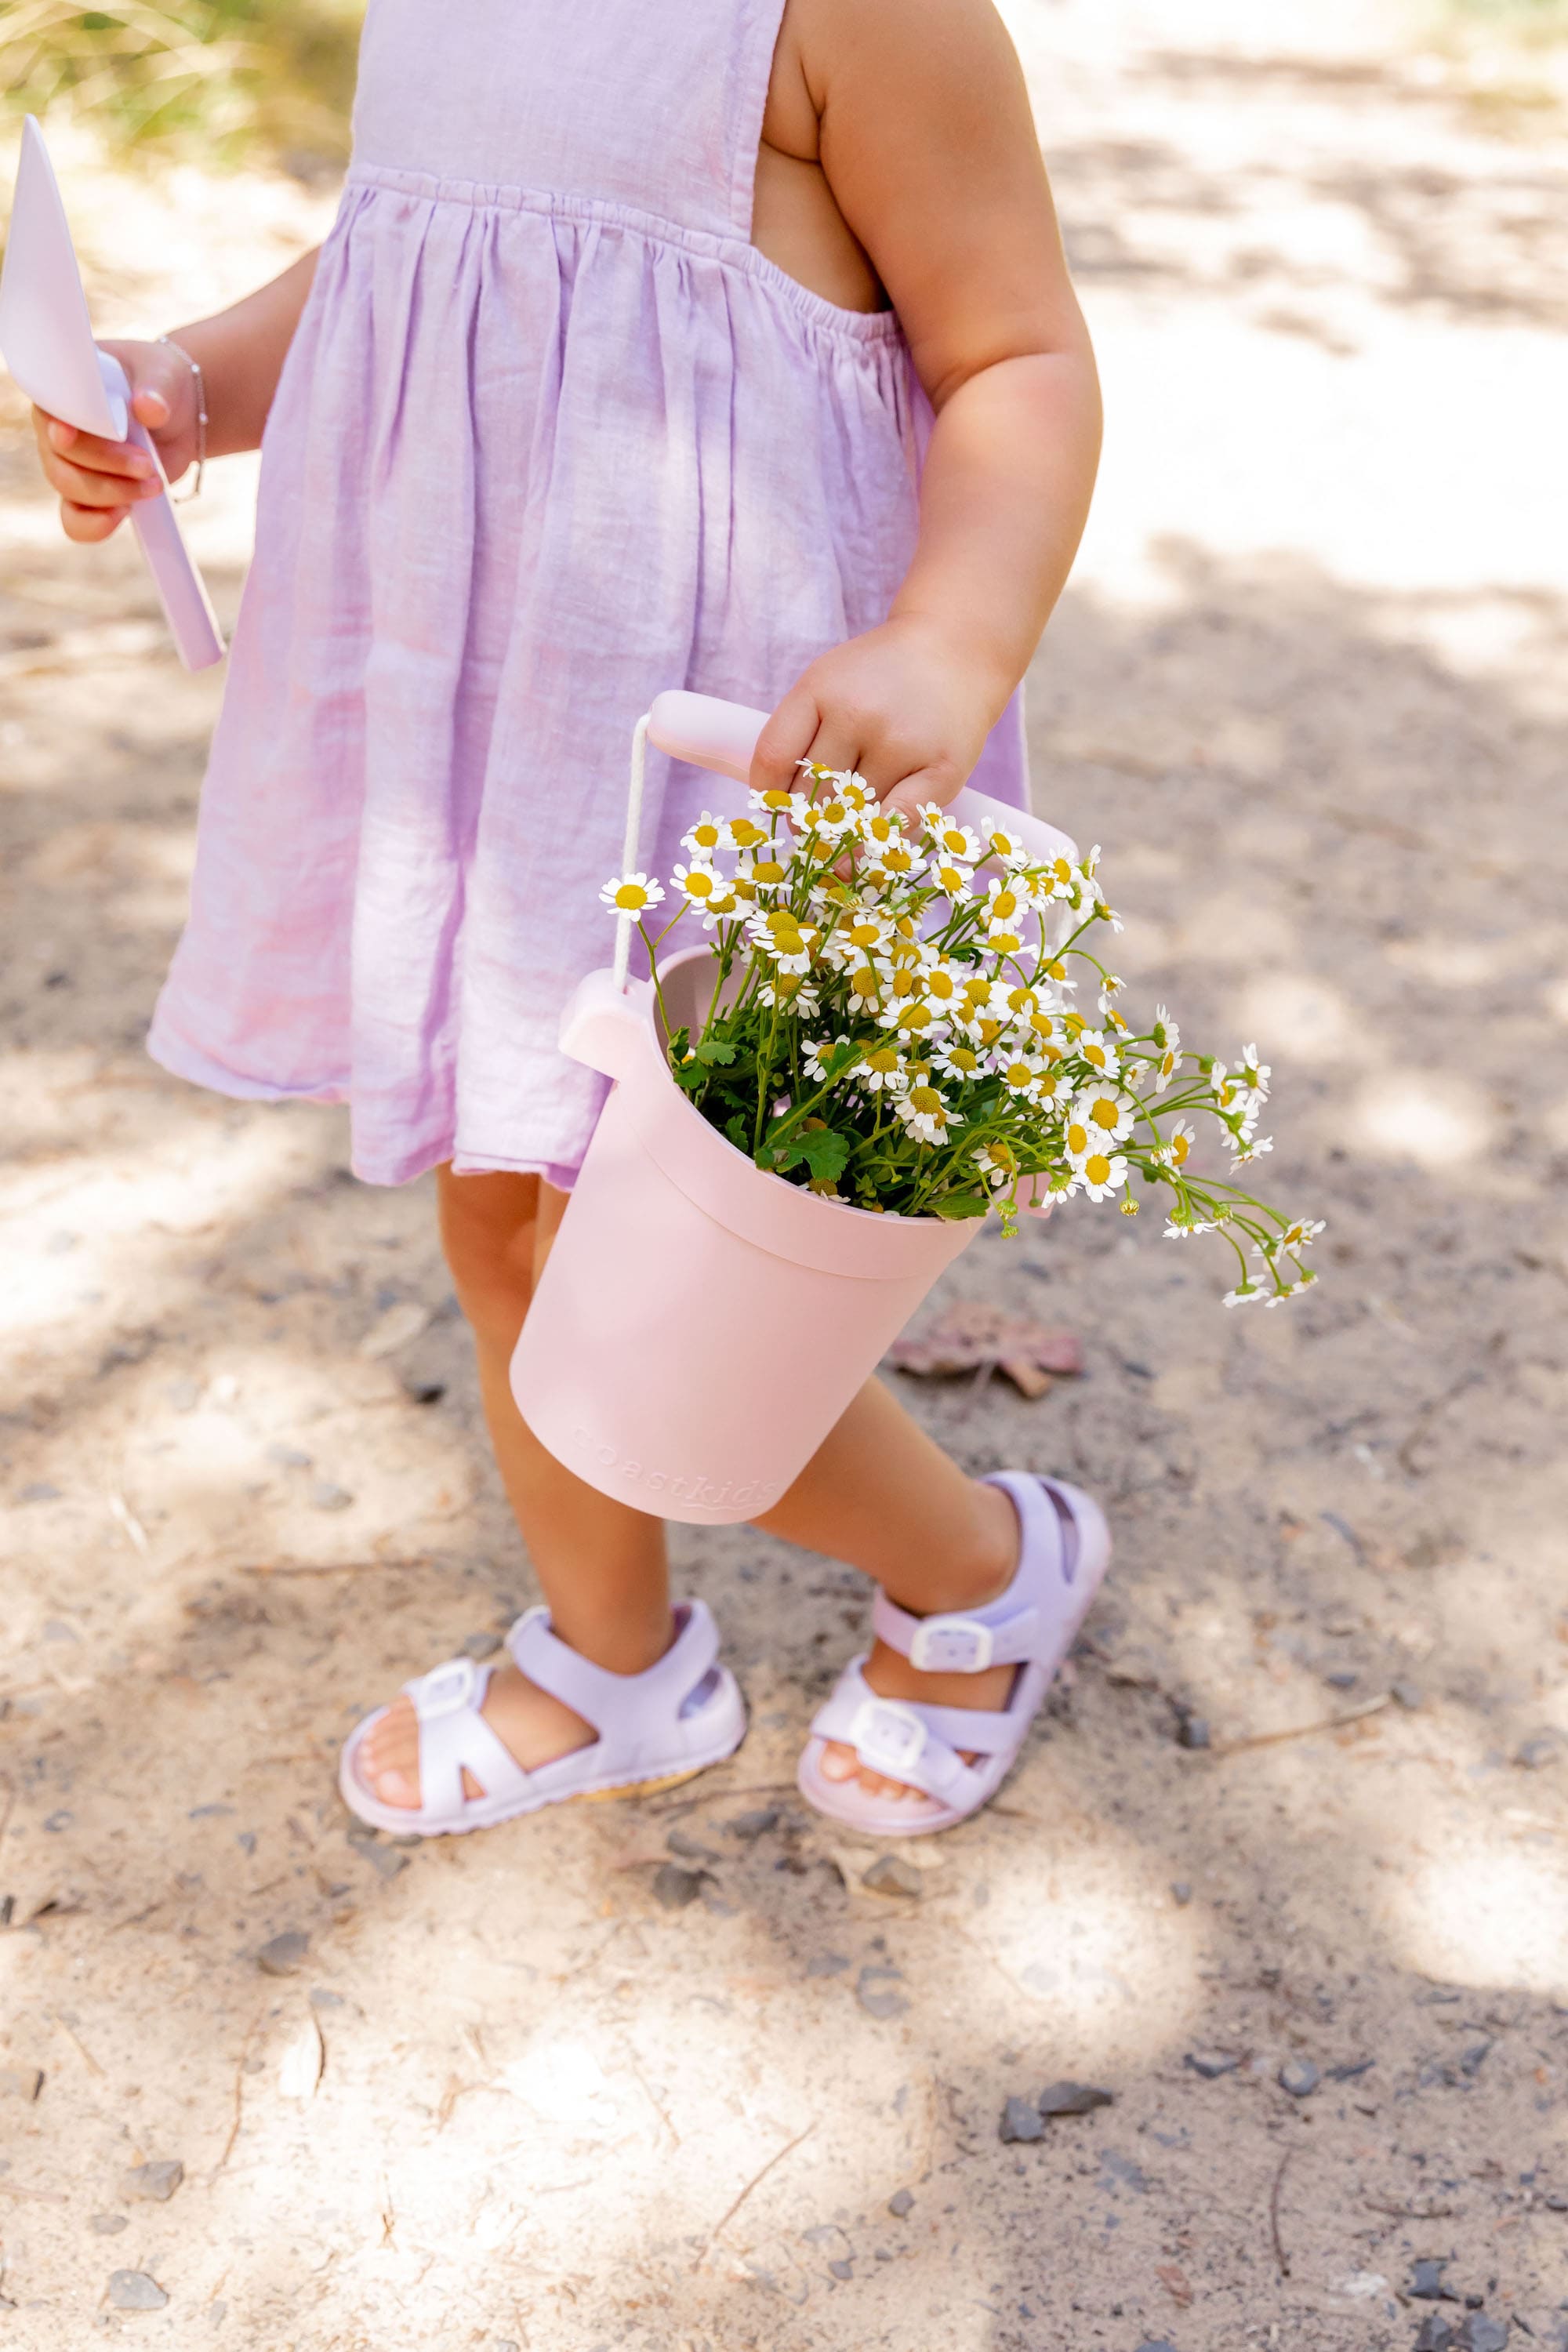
<point>551,435</point>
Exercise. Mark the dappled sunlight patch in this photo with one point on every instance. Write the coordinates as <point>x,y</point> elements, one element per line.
<point>1489,1915</point>
<point>1303,1015</point>
<point>1092,1939</point>
<point>1435,1118</point>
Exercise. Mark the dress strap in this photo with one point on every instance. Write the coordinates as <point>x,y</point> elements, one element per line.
<point>754,38</point>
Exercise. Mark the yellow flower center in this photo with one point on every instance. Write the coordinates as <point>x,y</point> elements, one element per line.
<point>864,983</point>
<point>776,798</point>
<point>746,834</point>
<point>1019,1074</point>
<point>1179,1149</point>
<point>1105,1112</point>
<point>699,884</point>
<point>1077,1137</point>
<point>927,1101</point>
<point>767,869</point>
<point>630,897</point>
<point>1096,1168</point>
<point>1004,906</point>
<point>883,1060</point>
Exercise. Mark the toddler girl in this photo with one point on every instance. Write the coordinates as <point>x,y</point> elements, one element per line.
<point>657,343</point>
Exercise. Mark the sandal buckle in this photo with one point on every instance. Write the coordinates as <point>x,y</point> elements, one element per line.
<point>952,1646</point>
<point>445,1690</point>
<point>887,1736</point>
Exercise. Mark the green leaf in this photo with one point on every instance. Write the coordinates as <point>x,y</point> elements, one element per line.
<point>713,1049</point>
<point>735,1128</point>
<point>961,1205</point>
<point>824,1154</point>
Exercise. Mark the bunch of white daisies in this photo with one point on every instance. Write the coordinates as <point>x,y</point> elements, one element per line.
<point>893,1023</point>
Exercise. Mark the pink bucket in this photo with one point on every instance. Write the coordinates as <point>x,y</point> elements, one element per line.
<point>701,1325</point>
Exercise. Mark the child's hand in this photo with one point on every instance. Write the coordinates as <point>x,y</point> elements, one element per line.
<point>906,706</point>
<point>100,481</point>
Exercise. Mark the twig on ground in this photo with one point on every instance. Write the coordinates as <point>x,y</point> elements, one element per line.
<point>329,1567</point>
<point>756,2183</point>
<point>712,1795</point>
<point>1302,1731</point>
<point>1280,2256</point>
<point>71,2035</point>
<point>1411,2212</point>
<point>238,2090</point>
<point>38,2196</point>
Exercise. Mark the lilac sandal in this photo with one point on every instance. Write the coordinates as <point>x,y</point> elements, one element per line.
<point>1064,1553</point>
<point>655,1729</point>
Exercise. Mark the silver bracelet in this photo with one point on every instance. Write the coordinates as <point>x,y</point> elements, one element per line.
<point>195,368</point>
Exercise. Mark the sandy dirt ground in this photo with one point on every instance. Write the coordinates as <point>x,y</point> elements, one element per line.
<point>1308,688</point>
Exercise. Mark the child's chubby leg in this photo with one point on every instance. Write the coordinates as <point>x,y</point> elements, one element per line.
<point>602,1567</point>
<point>879,1495</point>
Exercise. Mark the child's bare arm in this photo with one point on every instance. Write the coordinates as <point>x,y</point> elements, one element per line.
<point>924,133</point>
<point>241,352</point>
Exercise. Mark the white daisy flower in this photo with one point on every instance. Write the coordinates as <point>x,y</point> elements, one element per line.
<point>814,1052</point>
<point>1253,1148</point>
<point>1173,1151</point>
<point>1253,1075</point>
<point>760,876</point>
<point>1079,1140</point>
<point>1006,845</point>
<point>1185,1229</point>
<point>1101,1052</point>
<point>895,860</point>
<point>1110,985</point>
<point>630,894</point>
<point>1301,1233</point>
<point>1021,1074</point>
<point>881,1067</point>
<point>923,1112</point>
<point>956,1060</point>
<point>791,993</point>
<point>1107,1110</point>
<point>1244,1293</point>
<point>948,838</point>
<point>998,1165</point>
<point>1100,1174</point>
<point>708,837</point>
<point>954,882</point>
<point>699,884</point>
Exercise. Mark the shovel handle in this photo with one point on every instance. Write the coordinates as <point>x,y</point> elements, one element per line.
<point>723,736</point>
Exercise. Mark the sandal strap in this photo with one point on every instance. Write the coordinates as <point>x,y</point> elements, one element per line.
<point>455,1736</point>
<point>907,1740</point>
<point>610,1701</point>
<point>1010,1630</point>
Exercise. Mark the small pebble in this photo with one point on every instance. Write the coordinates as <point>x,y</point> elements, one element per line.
<point>1480,2334</point>
<point>1192,1731</point>
<point>207,1812</point>
<point>109,2225</point>
<point>689,1850</point>
<point>842,2270</point>
<point>478,1646</point>
<point>1343,1679</point>
<point>827,1964</point>
<point>674,1888</point>
<point>1426,2281</point>
<point>289,1458</point>
<point>1434,2335</point>
<point>134,2290</point>
<point>157,2182</point>
<point>1211,2063</point>
<point>59,1821</point>
<point>1531,1757</point>
<point>1022,2120</point>
<point>901,2202</point>
<point>40,1491</point>
<point>21,2082</point>
<point>1300,2077</point>
<point>755,1824</point>
<point>1181,1892</point>
<point>1073,2099</point>
<point>325,1496</point>
<point>1406,1695</point>
<point>1164,2345</point>
<point>889,1876</point>
<point>281,1956</point>
<point>875,1993</point>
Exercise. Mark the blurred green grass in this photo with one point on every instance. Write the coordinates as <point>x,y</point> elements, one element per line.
<point>221,76</point>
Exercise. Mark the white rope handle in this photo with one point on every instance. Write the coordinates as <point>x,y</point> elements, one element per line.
<point>629,848</point>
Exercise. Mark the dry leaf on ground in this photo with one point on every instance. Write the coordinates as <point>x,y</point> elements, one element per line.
<point>973,1336</point>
